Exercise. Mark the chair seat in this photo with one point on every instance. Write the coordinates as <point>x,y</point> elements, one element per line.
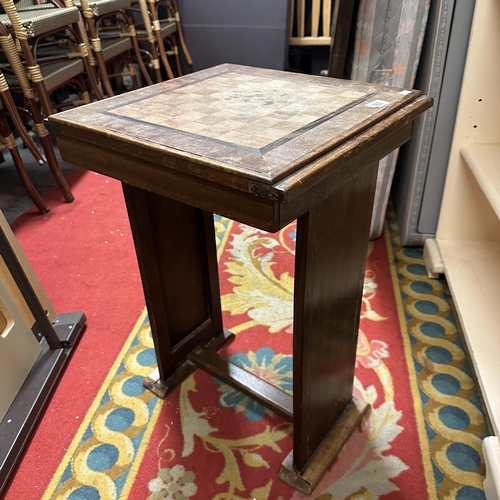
<point>110,48</point>
<point>40,21</point>
<point>31,7</point>
<point>167,29</point>
<point>114,47</point>
<point>55,73</point>
<point>103,7</point>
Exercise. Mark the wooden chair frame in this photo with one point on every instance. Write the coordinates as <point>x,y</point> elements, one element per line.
<point>77,30</point>
<point>92,25</point>
<point>9,47</point>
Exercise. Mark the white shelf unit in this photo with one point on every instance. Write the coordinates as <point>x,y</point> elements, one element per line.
<point>467,244</point>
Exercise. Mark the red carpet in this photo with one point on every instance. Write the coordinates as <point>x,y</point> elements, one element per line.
<point>84,257</point>
<point>104,437</point>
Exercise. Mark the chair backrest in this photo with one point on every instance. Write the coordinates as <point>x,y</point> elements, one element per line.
<point>310,22</point>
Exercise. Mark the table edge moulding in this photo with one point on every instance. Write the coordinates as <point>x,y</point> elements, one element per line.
<point>261,147</point>
<point>467,244</point>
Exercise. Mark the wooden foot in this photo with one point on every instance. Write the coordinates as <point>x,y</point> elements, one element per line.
<point>308,478</point>
<point>162,388</point>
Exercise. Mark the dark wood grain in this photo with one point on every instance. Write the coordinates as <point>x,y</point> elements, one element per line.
<point>307,479</point>
<point>242,199</point>
<point>178,265</point>
<point>182,187</point>
<point>236,120</point>
<point>343,24</point>
<point>248,383</point>
<point>336,174</point>
<point>162,388</point>
<point>319,168</point>
<point>313,173</point>
<point>331,252</point>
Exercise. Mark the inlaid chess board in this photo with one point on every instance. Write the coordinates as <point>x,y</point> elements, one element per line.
<point>257,123</point>
<point>244,110</point>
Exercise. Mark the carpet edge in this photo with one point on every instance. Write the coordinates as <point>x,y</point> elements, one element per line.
<point>54,482</point>
<point>424,443</point>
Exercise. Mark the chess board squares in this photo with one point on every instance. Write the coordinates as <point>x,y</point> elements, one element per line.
<point>211,119</point>
<point>249,112</point>
<point>224,113</point>
<point>233,92</point>
<point>224,127</point>
<point>248,117</point>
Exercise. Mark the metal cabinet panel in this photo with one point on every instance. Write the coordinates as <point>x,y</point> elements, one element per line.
<point>422,164</point>
<point>19,349</point>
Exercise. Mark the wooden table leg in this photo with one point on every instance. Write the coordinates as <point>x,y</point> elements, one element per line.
<point>175,245</point>
<point>332,240</point>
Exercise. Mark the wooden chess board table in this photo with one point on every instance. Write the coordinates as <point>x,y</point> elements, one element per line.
<point>264,148</point>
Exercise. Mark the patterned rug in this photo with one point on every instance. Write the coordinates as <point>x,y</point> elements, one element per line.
<point>209,441</point>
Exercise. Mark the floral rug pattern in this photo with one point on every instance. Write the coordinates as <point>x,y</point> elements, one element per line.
<point>209,441</point>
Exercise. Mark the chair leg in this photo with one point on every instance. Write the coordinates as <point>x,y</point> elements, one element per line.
<point>155,62</point>
<point>28,185</point>
<point>95,42</point>
<point>175,49</point>
<point>182,40</point>
<point>55,168</point>
<point>163,55</point>
<point>21,128</point>
<point>8,141</point>
<point>159,38</point>
<point>135,45</point>
<point>77,30</point>
<point>28,141</point>
<point>43,134</point>
<point>102,67</point>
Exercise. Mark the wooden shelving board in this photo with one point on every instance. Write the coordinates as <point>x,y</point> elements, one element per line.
<point>472,269</point>
<point>484,162</point>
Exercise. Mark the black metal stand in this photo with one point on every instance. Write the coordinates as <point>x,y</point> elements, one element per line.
<point>57,341</point>
<point>30,402</point>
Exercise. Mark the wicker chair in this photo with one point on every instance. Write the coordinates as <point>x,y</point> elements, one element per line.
<point>7,141</point>
<point>174,16</point>
<point>21,79</point>
<point>107,48</point>
<point>142,33</point>
<point>33,24</point>
<point>156,31</point>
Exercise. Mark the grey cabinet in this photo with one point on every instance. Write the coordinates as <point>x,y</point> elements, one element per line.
<point>421,170</point>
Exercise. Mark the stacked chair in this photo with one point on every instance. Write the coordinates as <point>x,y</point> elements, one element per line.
<point>62,53</point>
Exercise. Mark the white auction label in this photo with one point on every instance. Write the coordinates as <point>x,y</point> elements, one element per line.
<point>377,104</point>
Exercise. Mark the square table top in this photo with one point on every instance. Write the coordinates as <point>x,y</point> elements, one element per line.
<point>249,122</point>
